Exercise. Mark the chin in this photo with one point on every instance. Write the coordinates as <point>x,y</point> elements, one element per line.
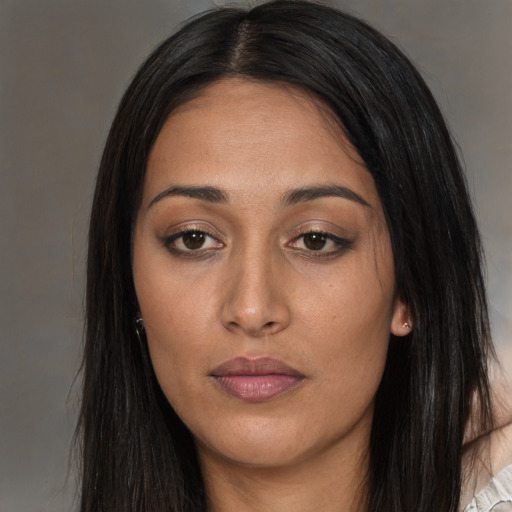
<point>263,443</point>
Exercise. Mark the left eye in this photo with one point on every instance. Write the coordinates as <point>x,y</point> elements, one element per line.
<point>194,240</point>
<point>319,242</point>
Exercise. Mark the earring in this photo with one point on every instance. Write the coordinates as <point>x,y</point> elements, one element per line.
<point>407,324</point>
<point>139,324</point>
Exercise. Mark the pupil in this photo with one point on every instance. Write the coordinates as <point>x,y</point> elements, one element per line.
<point>314,241</point>
<point>193,240</point>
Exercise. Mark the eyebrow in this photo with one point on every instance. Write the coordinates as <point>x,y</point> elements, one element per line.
<point>301,195</point>
<point>205,193</point>
<point>292,197</point>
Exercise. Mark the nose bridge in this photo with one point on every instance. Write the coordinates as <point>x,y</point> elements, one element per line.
<point>255,303</point>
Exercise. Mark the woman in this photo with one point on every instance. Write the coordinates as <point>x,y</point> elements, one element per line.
<point>285,303</point>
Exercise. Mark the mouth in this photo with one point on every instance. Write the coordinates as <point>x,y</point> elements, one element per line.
<point>256,380</point>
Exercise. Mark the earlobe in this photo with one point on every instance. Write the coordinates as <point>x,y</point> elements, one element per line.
<point>401,323</point>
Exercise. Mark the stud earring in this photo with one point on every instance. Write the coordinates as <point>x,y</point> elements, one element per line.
<point>407,324</point>
<point>139,325</point>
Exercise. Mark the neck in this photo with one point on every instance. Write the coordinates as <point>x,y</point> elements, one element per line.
<point>332,480</point>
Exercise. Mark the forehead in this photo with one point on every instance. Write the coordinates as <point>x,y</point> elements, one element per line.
<point>254,138</point>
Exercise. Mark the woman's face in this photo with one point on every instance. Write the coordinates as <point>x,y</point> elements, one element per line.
<point>264,274</point>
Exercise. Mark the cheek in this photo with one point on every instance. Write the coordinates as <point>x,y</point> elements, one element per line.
<point>173,302</point>
<point>349,324</point>
<point>176,320</point>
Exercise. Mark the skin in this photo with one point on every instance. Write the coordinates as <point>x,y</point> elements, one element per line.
<point>255,288</point>
<point>486,455</point>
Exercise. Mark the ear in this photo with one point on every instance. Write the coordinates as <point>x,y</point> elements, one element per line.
<point>401,323</point>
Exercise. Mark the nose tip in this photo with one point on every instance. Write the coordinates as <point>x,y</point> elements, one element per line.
<point>255,304</point>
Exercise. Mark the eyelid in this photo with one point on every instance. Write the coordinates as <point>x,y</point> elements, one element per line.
<point>183,229</point>
<point>182,232</point>
<point>342,242</point>
<point>345,243</point>
<point>187,227</point>
<point>322,227</point>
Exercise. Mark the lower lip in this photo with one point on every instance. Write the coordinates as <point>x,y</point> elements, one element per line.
<point>257,388</point>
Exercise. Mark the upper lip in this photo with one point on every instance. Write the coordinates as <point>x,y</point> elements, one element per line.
<point>254,366</point>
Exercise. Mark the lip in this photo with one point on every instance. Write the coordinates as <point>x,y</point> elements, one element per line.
<point>256,379</point>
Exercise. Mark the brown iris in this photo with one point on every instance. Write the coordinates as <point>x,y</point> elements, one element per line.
<point>193,239</point>
<point>315,241</point>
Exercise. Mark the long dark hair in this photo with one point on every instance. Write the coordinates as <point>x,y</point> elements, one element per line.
<point>136,454</point>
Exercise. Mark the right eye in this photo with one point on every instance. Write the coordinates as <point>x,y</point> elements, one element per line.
<point>190,241</point>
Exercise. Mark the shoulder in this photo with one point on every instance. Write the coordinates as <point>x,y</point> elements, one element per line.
<point>488,464</point>
<point>496,496</point>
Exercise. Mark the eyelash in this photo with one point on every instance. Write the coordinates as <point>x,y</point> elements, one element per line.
<point>341,244</point>
<point>190,253</point>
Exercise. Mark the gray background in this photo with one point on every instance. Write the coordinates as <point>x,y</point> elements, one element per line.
<point>63,67</point>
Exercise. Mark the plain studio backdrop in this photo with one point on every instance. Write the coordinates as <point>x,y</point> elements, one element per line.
<point>63,67</point>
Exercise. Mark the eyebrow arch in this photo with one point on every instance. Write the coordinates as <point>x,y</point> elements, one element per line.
<point>301,195</point>
<point>205,193</point>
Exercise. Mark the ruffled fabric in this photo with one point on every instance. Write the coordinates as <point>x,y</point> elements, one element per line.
<point>496,496</point>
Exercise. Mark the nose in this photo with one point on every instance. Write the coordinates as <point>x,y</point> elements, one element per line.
<point>256,297</point>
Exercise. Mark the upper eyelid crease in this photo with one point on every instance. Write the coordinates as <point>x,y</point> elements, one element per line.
<point>342,242</point>
<point>192,229</point>
<point>330,236</point>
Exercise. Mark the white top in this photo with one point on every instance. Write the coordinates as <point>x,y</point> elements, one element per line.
<point>496,496</point>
